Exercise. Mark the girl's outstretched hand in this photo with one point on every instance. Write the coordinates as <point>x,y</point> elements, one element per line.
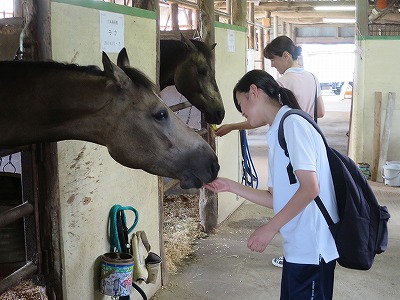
<point>223,130</point>
<point>220,184</point>
<point>260,238</point>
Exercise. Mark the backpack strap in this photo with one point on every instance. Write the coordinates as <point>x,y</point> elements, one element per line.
<point>315,101</point>
<point>289,168</point>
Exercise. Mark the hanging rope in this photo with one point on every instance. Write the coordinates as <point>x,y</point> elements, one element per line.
<point>250,177</point>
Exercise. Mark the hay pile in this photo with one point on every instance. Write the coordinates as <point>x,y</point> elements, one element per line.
<point>181,228</point>
<point>25,290</point>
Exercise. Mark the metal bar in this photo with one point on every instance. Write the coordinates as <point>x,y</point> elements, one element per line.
<point>202,131</point>
<point>180,106</point>
<point>222,13</point>
<point>26,271</point>
<point>170,185</point>
<point>15,213</point>
<point>258,25</point>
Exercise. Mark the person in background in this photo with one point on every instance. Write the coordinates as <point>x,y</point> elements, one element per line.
<point>309,249</point>
<point>284,54</point>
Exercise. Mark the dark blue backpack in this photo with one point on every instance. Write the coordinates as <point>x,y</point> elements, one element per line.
<point>362,229</point>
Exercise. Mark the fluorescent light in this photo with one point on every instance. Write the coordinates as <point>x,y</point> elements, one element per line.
<point>335,8</point>
<point>332,20</point>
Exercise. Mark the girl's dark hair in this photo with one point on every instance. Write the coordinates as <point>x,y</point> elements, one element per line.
<point>268,84</point>
<point>280,45</point>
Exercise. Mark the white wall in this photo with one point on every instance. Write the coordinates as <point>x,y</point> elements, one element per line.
<point>91,182</point>
<point>230,67</point>
<point>376,70</point>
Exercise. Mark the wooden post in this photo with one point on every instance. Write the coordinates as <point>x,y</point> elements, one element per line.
<point>386,133</point>
<point>208,204</point>
<point>151,5</point>
<point>376,135</point>
<point>228,9</point>
<point>35,37</point>
<point>18,9</point>
<point>174,11</point>
<point>207,20</point>
<point>190,18</point>
<point>251,27</point>
<point>239,12</point>
<point>35,43</point>
<point>261,36</point>
<point>276,27</point>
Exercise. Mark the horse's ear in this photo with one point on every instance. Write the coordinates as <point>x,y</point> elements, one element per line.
<point>213,46</point>
<point>123,60</point>
<point>188,42</point>
<point>114,73</point>
<point>108,68</point>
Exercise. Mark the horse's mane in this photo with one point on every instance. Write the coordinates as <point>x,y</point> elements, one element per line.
<point>52,65</point>
<point>137,77</point>
<point>202,47</point>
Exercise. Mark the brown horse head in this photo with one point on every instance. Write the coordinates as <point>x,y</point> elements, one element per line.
<point>163,144</point>
<point>119,108</point>
<point>187,64</point>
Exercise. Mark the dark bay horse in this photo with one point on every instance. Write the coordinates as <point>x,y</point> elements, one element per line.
<point>118,108</point>
<point>187,65</point>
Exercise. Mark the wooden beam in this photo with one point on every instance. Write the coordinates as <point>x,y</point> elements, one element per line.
<point>376,136</point>
<point>314,15</point>
<point>297,6</point>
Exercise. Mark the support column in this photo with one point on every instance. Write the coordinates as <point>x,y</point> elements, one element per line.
<point>239,12</point>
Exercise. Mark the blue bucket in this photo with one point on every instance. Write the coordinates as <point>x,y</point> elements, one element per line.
<point>116,274</point>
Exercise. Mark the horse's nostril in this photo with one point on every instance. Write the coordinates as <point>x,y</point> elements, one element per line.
<point>215,168</point>
<point>220,115</point>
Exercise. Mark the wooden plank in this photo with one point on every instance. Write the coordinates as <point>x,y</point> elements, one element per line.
<point>386,133</point>
<point>376,135</point>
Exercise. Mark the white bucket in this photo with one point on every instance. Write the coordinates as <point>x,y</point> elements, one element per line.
<point>393,162</point>
<point>391,174</point>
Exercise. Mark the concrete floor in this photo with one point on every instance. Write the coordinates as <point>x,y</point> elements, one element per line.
<point>223,268</point>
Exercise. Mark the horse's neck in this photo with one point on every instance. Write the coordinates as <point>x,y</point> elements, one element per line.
<point>172,54</point>
<point>51,106</point>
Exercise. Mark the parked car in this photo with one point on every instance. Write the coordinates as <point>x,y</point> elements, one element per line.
<point>335,87</point>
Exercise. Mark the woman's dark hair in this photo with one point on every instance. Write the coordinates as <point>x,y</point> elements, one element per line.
<point>280,45</point>
<point>268,84</point>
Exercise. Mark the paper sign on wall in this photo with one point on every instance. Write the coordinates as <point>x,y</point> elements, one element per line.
<point>231,40</point>
<point>111,32</point>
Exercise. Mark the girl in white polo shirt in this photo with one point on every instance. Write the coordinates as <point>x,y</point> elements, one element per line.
<point>308,246</point>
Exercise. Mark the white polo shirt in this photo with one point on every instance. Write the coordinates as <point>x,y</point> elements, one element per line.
<point>307,235</point>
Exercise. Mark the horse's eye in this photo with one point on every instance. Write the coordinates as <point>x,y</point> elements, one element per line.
<point>161,115</point>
